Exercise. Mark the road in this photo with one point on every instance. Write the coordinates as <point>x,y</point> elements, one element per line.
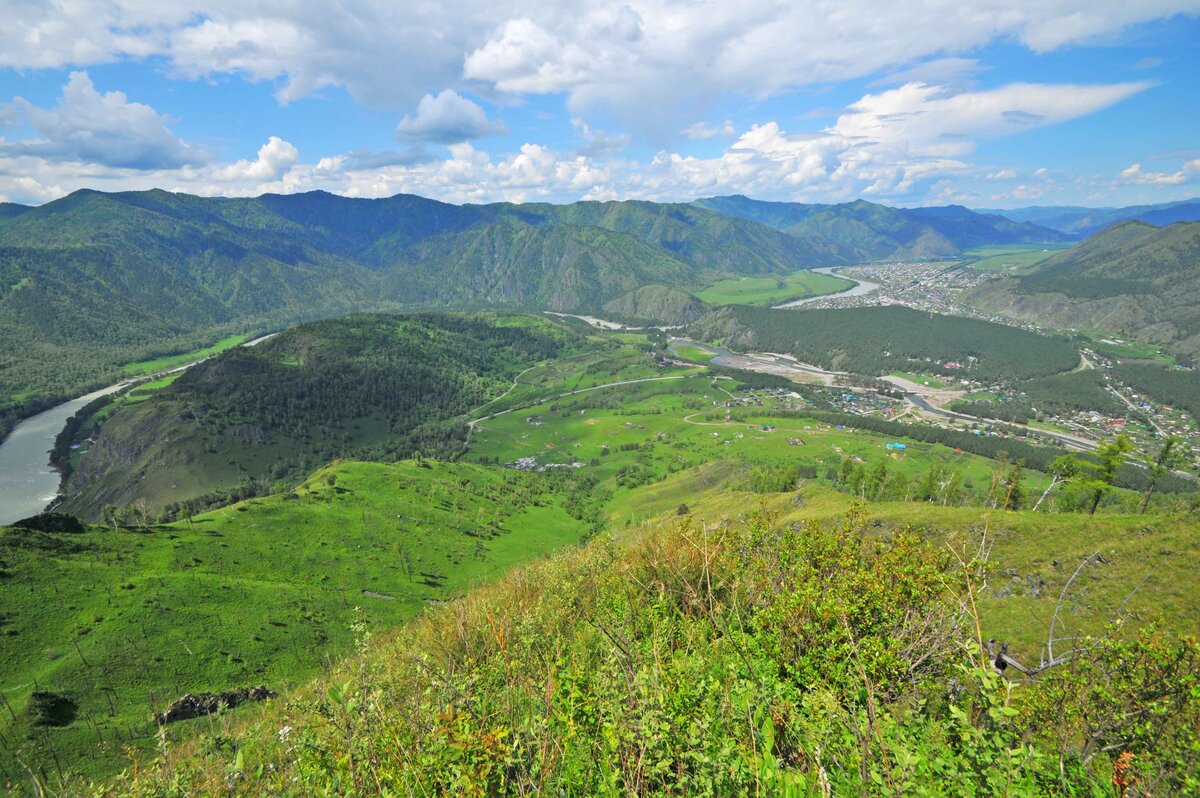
<point>471,425</point>
<point>1082,444</point>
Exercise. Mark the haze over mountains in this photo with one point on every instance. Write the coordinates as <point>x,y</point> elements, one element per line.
<point>1081,221</point>
<point>864,231</point>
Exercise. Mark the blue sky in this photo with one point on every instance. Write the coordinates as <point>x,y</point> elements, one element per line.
<point>1049,102</point>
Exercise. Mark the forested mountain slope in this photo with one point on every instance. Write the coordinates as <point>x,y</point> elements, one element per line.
<point>863,230</point>
<point>1133,278</point>
<point>94,280</point>
<point>379,386</point>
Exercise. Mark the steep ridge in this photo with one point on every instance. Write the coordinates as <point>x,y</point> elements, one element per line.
<point>1132,278</point>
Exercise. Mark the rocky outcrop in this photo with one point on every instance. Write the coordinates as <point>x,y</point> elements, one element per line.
<point>200,704</point>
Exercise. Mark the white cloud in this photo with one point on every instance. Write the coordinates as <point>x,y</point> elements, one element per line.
<point>599,143</point>
<point>900,144</point>
<point>1002,174</point>
<point>635,55</point>
<point>1187,173</point>
<point>703,130</point>
<point>945,124</point>
<point>274,160</point>
<point>105,129</point>
<point>448,118</point>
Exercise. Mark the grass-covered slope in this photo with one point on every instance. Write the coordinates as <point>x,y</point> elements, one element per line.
<point>877,340</point>
<point>378,386</point>
<point>1132,278</point>
<point>750,656</point>
<point>122,622</point>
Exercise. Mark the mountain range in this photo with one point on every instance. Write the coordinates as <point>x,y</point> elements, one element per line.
<point>863,231</point>
<point>1132,278</point>
<point>1080,221</point>
<point>94,280</point>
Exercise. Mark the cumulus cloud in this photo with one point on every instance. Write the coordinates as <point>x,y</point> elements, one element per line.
<point>1186,174</point>
<point>633,54</point>
<point>1001,174</point>
<point>599,143</point>
<point>448,118</point>
<point>104,129</point>
<point>274,159</point>
<point>902,143</point>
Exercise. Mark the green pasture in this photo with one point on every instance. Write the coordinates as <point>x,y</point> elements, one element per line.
<point>772,290</point>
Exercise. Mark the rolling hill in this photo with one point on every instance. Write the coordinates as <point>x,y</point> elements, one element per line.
<point>861,230</point>
<point>1132,278</point>
<point>379,386</point>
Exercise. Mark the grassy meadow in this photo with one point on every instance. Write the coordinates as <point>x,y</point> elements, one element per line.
<point>1009,258</point>
<point>155,365</point>
<point>262,592</point>
<point>772,290</point>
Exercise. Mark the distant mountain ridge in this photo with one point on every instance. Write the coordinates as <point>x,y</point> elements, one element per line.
<point>1131,278</point>
<point>861,231</point>
<point>1081,221</point>
<point>95,279</point>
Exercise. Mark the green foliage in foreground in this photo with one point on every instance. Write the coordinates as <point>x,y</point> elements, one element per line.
<point>739,659</point>
<point>123,621</point>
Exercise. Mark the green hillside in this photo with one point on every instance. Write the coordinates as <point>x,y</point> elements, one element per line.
<point>371,386</point>
<point>657,304</point>
<point>735,652</point>
<point>1132,279</point>
<point>863,231</point>
<point>564,656</point>
<point>120,622</point>
<point>93,281</point>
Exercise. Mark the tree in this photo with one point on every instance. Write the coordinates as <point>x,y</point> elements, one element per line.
<point>1110,456</point>
<point>108,515</point>
<point>1014,491</point>
<point>1063,469</point>
<point>1170,456</point>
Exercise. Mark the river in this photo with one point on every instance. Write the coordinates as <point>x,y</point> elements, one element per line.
<point>27,482</point>
<point>859,288</point>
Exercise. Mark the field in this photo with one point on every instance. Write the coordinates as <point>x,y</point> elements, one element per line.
<point>263,592</point>
<point>158,364</point>
<point>1009,258</point>
<point>634,435</point>
<point>923,378</point>
<point>772,290</point>
<point>1124,349</point>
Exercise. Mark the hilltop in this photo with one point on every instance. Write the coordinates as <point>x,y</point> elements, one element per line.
<point>378,386</point>
<point>1133,279</point>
